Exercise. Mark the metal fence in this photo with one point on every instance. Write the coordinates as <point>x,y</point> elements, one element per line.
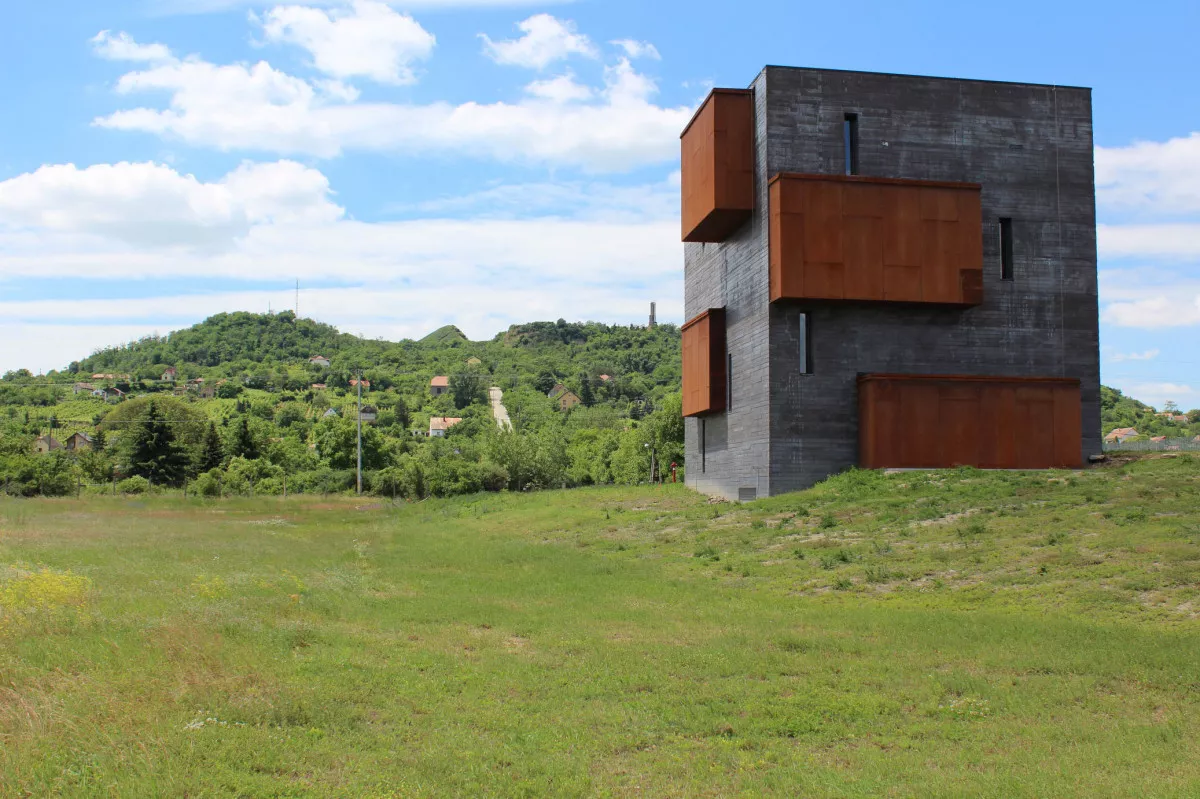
<point>1146,445</point>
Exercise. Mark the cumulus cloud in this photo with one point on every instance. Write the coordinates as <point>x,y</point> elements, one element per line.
<point>1179,241</point>
<point>636,49</point>
<point>366,39</point>
<point>1158,177</point>
<point>563,89</point>
<point>122,47</point>
<point>257,107</point>
<point>546,39</point>
<point>1178,309</point>
<point>149,204</point>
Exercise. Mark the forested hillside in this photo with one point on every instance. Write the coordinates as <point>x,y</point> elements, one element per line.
<point>1118,410</point>
<point>239,401</point>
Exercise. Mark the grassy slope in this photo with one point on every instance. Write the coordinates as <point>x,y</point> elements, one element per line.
<point>950,634</point>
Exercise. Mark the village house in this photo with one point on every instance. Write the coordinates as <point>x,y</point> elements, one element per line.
<point>369,413</point>
<point>46,443</point>
<point>79,442</point>
<point>365,383</point>
<point>170,374</point>
<point>568,400</point>
<point>329,413</point>
<point>558,389</point>
<point>82,388</point>
<point>1120,434</point>
<point>206,390</point>
<point>439,385</point>
<point>438,425</point>
<point>318,386</point>
<point>319,360</point>
<point>605,378</point>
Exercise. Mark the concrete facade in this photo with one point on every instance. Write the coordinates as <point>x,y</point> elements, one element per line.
<point>1029,146</point>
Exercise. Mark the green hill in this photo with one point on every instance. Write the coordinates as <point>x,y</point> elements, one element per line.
<point>444,336</point>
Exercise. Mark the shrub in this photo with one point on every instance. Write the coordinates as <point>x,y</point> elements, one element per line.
<point>134,485</point>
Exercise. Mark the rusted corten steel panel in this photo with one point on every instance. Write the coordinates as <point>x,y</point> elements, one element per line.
<point>704,363</point>
<point>849,237</point>
<point>942,421</point>
<point>718,166</point>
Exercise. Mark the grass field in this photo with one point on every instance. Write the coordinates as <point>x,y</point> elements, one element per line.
<point>919,634</point>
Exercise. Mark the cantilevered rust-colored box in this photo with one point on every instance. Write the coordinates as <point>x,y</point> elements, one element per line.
<point>718,166</point>
<point>835,237</point>
<point>941,421</point>
<point>704,363</point>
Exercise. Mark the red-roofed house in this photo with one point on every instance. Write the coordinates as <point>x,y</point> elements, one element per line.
<point>438,425</point>
<point>439,385</point>
<point>1121,434</point>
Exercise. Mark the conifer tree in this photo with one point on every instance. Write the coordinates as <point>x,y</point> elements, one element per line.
<point>212,451</point>
<point>153,453</point>
<point>244,445</point>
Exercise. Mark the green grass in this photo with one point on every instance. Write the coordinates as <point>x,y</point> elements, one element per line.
<point>912,635</point>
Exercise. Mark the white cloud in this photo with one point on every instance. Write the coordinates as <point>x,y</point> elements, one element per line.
<point>1168,241</point>
<point>546,40</point>
<point>169,7</point>
<point>257,107</point>
<point>1179,309</point>
<point>148,204</point>
<point>1158,177</point>
<point>563,89</point>
<point>636,49</point>
<point>1119,357</point>
<point>366,39</point>
<point>122,47</point>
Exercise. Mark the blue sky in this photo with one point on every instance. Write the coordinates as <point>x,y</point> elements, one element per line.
<point>484,162</point>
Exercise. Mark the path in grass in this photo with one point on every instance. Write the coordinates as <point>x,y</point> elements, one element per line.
<point>943,634</point>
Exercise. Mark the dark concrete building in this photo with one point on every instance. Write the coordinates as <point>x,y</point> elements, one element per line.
<point>887,271</point>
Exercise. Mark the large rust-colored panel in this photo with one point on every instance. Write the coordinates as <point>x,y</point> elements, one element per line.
<point>942,421</point>
<point>717,153</point>
<point>850,237</point>
<point>704,363</point>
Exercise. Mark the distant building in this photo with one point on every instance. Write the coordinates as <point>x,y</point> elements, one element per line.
<point>557,391</point>
<point>79,442</point>
<point>438,425</point>
<point>365,383</point>
<point>439,385</point>
<point>319,360</point>
<point>1121,434</point>
<point>329,413</point>
<point>369,413</point>
<point>318,386</point>
<point>567,400</point>
<point>44,444</point>
<point>82,388</point>
<point>170,374</point>
<point>206,391</point>
<point>605,378</point>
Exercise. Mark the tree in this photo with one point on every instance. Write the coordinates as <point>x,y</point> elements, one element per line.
<point>244,443</point>
<point>153,452</point>
<point>212,451</point>
<point>467,388</point>
<point>586,396</point>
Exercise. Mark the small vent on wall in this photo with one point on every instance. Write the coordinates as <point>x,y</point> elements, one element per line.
<point>747,494</point>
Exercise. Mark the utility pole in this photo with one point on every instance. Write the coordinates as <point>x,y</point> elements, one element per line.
<point>359,422</point>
